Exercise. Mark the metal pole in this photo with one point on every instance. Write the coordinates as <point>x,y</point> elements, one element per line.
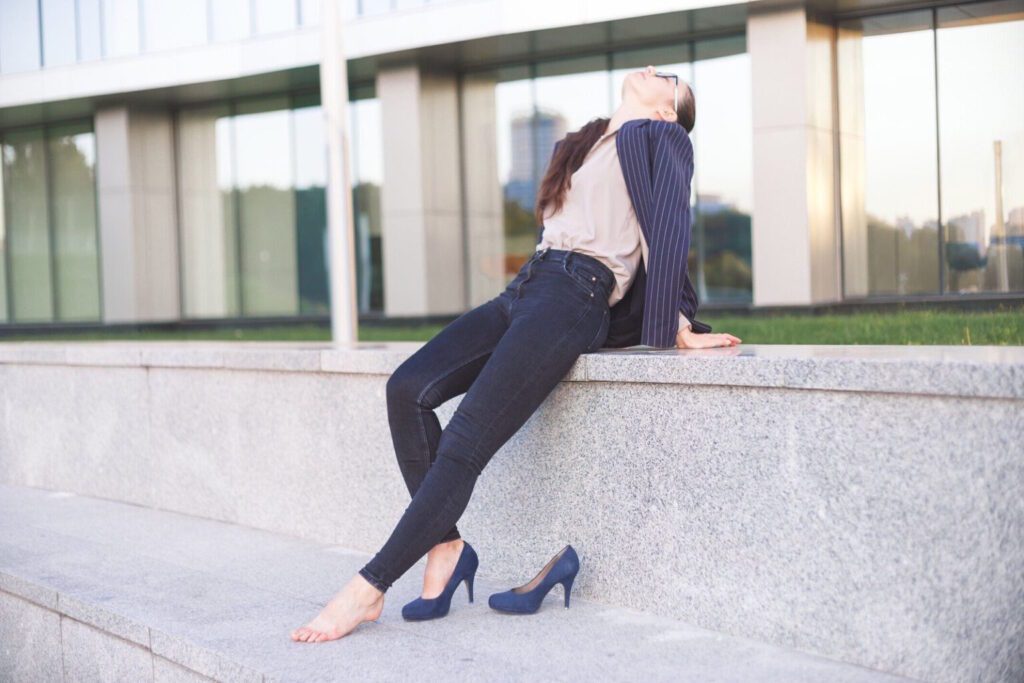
<point>340,236</point>
<point>1002,253</point>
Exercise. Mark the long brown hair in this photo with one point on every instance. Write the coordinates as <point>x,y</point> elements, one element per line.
<point>566,160</point>
<point>575,146</point>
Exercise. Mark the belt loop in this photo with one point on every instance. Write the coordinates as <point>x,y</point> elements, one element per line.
<point>542,252</point>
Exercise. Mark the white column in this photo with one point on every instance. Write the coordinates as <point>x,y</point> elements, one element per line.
<point>421,198</point>
<point>485,215</point>
<point>795,228</point>
<point>138,225</point>
<point>340,236</point>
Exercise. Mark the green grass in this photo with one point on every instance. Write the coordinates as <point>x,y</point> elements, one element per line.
<point>916,327</point>
<point>1004,326</point>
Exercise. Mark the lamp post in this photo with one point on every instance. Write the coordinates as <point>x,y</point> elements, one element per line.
<point>340,236</point>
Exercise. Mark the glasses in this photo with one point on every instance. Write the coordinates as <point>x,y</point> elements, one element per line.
<point>675,90</point>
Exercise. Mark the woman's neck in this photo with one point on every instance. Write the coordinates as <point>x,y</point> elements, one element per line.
<point>627,111</point>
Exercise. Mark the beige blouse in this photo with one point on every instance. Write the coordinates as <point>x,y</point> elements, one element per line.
<point>597,219</point>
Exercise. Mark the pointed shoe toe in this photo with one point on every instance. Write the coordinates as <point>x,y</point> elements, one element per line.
<point>527,599</point>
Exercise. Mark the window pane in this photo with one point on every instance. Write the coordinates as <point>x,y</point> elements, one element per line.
<point>311,209</point>
<point>723,174</point>
<point>230,19</point>
<point>981,137</point>
<point>27,222</point>
<point>207,207</point>
<point>375,6</point>
<point>266,197</point>
<point>497,107</point>
<point>73,209</point>
<point>310,10</point>
<point>19,35</point>
<point>120,27</point>
<point>522,159</point>
<point>888,155</point>
<point>367,175</point>
<point>59,41</point>
<point>90,41</point>
<point>181,23</point>
<point>569,93</point>
<point>275,15</point>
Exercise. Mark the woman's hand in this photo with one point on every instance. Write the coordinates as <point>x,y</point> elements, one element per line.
<point>686,338</point>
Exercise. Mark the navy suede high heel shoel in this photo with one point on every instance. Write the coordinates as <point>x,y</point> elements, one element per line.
<point>421,608</point>
<point>526,599</point>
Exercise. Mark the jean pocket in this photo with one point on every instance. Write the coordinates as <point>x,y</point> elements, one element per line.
<point>584,278</point>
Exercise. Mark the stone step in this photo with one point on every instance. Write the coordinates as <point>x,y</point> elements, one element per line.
<point>93,589</point>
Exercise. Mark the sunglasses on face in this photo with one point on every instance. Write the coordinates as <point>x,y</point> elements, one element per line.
<point>675,86</point>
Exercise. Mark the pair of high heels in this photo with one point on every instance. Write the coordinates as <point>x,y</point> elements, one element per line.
<point>524,599</point>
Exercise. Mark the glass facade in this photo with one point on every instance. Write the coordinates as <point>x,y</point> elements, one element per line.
<point>47,33</point>
<point>931,160</point>
<point>366,169</point>
<point>932,151</point>
<point>537,104</point>
<point>19,35</point>
<point>59,42</point>
<point>369,7</point>
<point>49,240</point>
<point>169,25</point>
<point>252,178</point>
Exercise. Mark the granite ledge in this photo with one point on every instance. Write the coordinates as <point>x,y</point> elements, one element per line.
<point>968,371</point>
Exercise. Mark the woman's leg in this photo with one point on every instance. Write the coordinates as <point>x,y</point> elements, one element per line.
<point>439,370</point>
<point>548,332</point>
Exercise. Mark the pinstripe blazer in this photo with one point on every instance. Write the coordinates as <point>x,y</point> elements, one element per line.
<point>657,164</point>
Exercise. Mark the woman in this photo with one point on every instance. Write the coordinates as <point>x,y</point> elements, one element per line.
<point>573,296</point>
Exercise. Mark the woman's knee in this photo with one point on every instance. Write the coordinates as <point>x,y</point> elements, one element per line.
<point>405,384</point>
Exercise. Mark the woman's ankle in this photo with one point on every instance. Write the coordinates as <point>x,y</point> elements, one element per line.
<point>444,546</point>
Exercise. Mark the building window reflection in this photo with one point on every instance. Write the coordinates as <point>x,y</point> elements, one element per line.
<point>252,179</point>
<point>121,36</point>
<point>367,177</point>
<point>932,151</point>
<point>59,38</point>
<point>47,33</point>
<point>19,35</point>
<point>48,228</point>
<point>178,24</point>
<point>980,52</point>
<point>519,112</point>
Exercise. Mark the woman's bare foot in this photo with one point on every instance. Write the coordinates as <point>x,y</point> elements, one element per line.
<point>441,561</point>
<point>357,602</point>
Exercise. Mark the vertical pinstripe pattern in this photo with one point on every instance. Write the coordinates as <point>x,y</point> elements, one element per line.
<point>657,164</point>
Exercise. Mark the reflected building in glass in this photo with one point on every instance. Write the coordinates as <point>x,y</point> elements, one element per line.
<point>166,161</point>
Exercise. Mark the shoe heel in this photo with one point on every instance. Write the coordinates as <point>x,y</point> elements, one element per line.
<point>567,585</point>
<point>469,585</point>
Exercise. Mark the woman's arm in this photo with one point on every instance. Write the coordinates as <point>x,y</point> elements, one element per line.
<point>669,226</point>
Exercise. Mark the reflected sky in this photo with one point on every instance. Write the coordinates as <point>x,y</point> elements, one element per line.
<point>722,135</point>
<point>263,152</point>
<point>981,99</point>
<point>367,156</point>
<point>899,127</point>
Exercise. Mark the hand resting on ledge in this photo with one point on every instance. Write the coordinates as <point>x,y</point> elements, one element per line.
<point>686,338</point>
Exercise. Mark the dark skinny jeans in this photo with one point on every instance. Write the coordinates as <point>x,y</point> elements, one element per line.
<point>506,355</point>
